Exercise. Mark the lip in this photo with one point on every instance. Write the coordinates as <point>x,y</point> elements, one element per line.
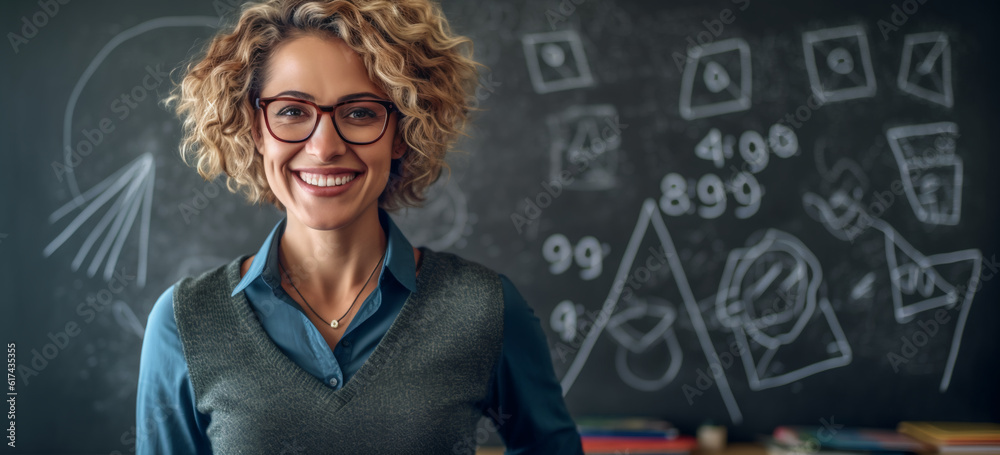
<point>328,191</point>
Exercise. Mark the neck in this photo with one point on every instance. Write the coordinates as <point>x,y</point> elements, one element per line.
<point>331,265</point>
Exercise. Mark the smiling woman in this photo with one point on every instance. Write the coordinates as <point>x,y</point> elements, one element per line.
<point>335,112</point>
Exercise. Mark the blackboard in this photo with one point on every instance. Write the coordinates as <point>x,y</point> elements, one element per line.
<point>734,211</point>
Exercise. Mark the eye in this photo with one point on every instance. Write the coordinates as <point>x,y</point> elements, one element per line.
<point>291,111</point>
<point>360,113</point>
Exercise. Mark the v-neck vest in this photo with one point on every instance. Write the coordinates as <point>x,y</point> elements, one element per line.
<point>422,390</point>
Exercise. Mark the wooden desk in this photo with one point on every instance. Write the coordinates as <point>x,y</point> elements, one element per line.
<point>732,449</point>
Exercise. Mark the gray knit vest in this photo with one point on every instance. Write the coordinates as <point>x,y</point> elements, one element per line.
<point>422,391</point>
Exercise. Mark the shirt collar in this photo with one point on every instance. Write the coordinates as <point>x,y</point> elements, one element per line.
<point>398,258</point>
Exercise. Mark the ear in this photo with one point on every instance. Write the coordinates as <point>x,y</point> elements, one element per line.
<point>255,133</point>
<point>398,145</point>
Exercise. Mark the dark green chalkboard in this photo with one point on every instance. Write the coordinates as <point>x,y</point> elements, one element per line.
<point>745,212</point>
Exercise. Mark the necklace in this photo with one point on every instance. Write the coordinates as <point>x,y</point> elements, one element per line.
<point>336,322</point>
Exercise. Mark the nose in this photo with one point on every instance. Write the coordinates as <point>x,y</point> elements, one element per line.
<point>325,143</point>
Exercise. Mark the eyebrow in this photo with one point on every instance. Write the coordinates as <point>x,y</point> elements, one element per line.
<point>306,96</point>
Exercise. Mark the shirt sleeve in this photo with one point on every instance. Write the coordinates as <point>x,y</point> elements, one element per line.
<point>166,419</point>
<point>525,400</point>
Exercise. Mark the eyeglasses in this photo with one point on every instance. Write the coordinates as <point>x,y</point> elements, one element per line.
<point>358,122</point>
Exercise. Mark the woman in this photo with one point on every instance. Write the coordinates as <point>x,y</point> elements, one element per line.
<point>336,111</point>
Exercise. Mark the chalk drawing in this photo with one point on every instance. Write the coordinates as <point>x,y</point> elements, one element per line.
<point>649,215</point>
<point>585,141</point>
<point>768,296</point>
<point>143,167</point>
<point>556,61</point>
<point>632,341</point>
<point>126,318</point>
<point>925,70</point>
<point>725,84</point>
<point>442,222</point>
<point>916,281</point>
<point>133,184</point>
<point>839,64</point>
<point>930,171</point>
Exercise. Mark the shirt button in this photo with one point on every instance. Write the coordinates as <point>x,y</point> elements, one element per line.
<point>333,382</point>
<point>346,343</point>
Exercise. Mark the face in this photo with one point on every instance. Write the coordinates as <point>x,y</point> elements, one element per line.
<point>326,71</point>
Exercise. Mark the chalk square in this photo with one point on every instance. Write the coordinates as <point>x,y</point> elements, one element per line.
<point>718,92</point>
<point>585,142</point>
<point>847,72</point>
<point>925,69</point>
<point>556,61</point>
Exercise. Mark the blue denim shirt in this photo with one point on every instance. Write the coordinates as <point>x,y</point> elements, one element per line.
<point>525,399</point>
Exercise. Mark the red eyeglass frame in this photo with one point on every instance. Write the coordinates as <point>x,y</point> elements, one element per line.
<point>261,103</point>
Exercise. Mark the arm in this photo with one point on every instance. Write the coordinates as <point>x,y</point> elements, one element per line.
<point>525,400</point>
<point>166,419</point>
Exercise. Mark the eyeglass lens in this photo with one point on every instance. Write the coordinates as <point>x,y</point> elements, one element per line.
<point>361,121</point>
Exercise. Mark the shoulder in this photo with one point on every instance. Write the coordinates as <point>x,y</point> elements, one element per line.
<point>191,295</point>
<point>161,344</point>
<point>213,279</point>
<point>452,270</point>
<point>444,259</point>
<point>518,314</point>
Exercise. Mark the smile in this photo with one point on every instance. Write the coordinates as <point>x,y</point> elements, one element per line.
<point>320,180</point>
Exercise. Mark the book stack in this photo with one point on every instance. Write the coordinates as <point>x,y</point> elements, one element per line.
<point>633,436</point>
<point>956,437</point>
<point>837,440</point>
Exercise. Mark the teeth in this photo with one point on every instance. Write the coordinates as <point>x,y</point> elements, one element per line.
<point>326,180</point>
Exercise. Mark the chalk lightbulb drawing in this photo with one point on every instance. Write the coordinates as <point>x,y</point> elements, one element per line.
<point>133,183</point>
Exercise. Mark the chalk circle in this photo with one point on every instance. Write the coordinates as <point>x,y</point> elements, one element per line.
<point>716,77</point>
<point>770,289</point>
<point>840,61</point>
<point>553,55</point>
<point>443,219</point>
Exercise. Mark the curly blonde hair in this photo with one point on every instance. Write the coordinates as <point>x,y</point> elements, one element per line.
<point>408,49</point>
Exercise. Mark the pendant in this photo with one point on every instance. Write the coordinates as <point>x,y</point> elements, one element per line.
<point>334,323</point>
